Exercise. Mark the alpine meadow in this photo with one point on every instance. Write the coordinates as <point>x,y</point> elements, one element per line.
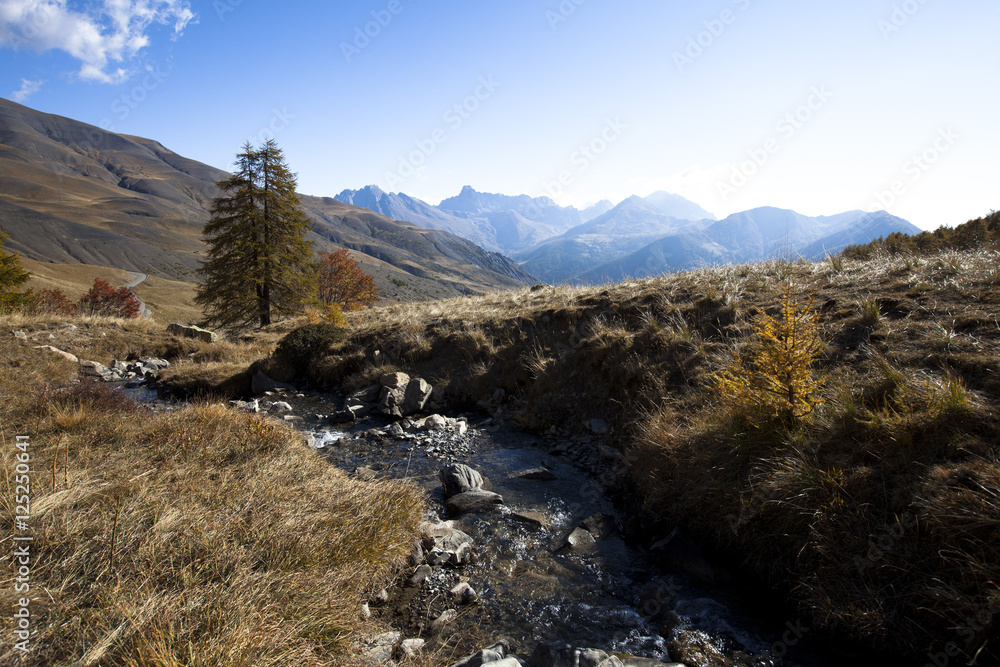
<point>568,334</point>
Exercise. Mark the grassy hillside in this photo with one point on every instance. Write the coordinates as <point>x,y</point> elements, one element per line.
<point>878,514</point>
<point>200,536</point>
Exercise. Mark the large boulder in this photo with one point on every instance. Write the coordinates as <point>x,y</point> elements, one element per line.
<point>418,392</point>
<point>191,331</point>
<point>476,500</point>
<point>402,396</point>
<point>391,401</point>
<point>458,478</point>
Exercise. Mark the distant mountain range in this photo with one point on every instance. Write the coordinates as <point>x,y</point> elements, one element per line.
<point>74,193</point>
<point>640,237</point>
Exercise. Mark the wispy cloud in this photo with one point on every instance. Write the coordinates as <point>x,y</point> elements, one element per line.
<point>104,36</point>
<point>28,88</point>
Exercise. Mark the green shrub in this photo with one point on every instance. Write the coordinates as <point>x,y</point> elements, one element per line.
<point>304,344</point>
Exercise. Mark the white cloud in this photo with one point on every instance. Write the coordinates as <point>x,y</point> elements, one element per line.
<point>28,88</point>
<point>104,36</point>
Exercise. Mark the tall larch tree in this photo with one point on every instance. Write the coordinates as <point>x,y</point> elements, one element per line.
<point>259,263</point>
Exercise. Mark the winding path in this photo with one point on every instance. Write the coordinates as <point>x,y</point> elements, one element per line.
<point>139,278</point>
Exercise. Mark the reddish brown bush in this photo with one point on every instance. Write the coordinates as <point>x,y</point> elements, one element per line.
<point>49,302</point>
<point>343,282</point>
<point>103,299</point>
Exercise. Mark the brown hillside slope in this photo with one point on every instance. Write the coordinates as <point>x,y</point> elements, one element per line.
<point>73,193</point>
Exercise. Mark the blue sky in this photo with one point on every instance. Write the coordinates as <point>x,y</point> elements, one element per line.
<point>815,106</point>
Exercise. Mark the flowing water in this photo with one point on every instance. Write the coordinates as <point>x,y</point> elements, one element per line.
<point>531,586</point>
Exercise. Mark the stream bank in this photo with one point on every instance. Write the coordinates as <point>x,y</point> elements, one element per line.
<point>555,563</point>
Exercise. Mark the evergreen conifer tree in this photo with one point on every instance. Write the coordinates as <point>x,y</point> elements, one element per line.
<point>12,276</point>
<point>259,262</point>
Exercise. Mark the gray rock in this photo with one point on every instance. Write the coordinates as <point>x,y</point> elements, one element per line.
<point>474,501</point>
<point>446,617</point>
<point>464,593</point>
<point>577,539</point>
<point>97,370</point>
<point>55,350</point>
<point>533,519</point>
<point>418,392</point>
<point>394,380</point>
<point>367,395</point>
<point>599,426</point>
<point>445,544</point>
<point>262,383</point>
<point>409,649</point>
<point>648,662</point>
<point>459,478</point>
<point>540,473</point>
<point>381,597</point>
<point>191,331</point>
<point>419,575</point>
<point>396,431</point>
<point>366,611</point>
<point>342,417</point>
<point>381,648</point>
<point>281,406</point>
<point>158,364</point>
<point>601,526</point>
<point>434,423</point>
<point>359,411</point>
<point>391,401</point>
<point>494,655</point>
<point>678,552</point>
<point>20,335</point>
<point>563,655</point>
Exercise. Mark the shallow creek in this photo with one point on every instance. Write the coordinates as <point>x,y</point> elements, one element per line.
<point>532,587</point>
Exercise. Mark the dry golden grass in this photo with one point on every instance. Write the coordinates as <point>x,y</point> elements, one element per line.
<point>73,279</point>
<point>199,537</point>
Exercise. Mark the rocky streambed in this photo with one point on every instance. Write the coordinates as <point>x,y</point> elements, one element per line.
<point>523,545</point>
<point>524,550</point>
